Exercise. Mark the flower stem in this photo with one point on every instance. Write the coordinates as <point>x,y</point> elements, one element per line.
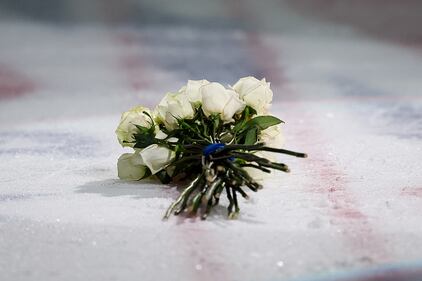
<point>256,167</point>
<point>231,202</point>
<point>283,151</point>
<point>183,198</point>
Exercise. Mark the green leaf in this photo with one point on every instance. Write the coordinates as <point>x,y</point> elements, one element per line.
<point>145,130</point>
<point>251,111</point>
<point>163,176</point>
<point>237,127</point>
<point>143,140</point>
<point>263,122</point>
<point>240,124</point>
<point>150,117</point>
<point>251,136</point>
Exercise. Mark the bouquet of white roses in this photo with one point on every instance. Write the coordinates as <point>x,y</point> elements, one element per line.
<point>212,136</point>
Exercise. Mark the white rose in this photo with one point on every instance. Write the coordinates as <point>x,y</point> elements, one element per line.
<point>172,107</point>
<point>272,137</point>
<point>219,100</point>
<point>256,93</point>
<point>192,90</point>
<point>156,157</point>
<point>129,119</point>
<point>256,174</point>
<point>129,167</point>
<point>161,135</point>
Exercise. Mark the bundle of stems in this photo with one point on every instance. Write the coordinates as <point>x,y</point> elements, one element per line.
<point>222,170</point>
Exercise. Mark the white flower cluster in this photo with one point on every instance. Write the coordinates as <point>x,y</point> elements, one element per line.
<point>211,97</point>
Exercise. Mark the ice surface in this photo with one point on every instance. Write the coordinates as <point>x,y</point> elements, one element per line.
<point>353,103</point>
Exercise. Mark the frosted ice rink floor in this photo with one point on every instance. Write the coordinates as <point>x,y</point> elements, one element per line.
<point>351,99</point>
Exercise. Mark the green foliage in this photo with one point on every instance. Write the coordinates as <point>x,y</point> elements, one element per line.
<point>163,177</point>
<point>247,128</point>
<point>251,136</point>
<point>144,138</point>
<point>263,122</point>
